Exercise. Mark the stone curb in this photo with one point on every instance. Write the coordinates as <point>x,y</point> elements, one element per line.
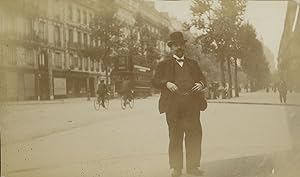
<point>254,103</point>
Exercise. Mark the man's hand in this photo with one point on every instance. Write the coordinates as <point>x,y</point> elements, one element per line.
<point>171,86</point>
<point>198,87</point>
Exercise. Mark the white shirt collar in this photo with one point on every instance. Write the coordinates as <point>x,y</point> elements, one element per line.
<point>177,58</point>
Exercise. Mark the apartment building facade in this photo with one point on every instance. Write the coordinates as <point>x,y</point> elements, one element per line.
<point>41,52</point>
<point>289,54</point>
<point>42,42</point>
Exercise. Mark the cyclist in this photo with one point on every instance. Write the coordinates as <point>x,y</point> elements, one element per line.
<point>126,90</point>
<point>102,91</point>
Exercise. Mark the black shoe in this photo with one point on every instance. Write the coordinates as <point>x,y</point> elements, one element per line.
<point>195,171</point>
<point>176,173</point>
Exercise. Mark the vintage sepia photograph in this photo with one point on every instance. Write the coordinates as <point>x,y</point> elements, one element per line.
<point>149,88</point>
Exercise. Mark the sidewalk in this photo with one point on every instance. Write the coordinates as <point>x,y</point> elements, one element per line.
<point>31,102</point>
<point>261,98</point>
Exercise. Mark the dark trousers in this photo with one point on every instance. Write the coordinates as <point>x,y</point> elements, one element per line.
<point>184,124</point>
<point>282,97</point>
<point>101,97</point>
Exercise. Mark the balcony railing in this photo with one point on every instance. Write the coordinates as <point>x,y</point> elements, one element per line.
<point>75,45</point>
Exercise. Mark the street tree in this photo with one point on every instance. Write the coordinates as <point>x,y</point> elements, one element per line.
<point>148,41</point>
<point>218,23</point>
<point>245,35</point>
<point>207,61</point>
<point>106,31</point>
<point>253,60</point>
<point>231,12</point>
<point>140,42</point>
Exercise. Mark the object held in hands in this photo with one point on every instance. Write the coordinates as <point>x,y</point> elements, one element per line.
<point>198,87</point>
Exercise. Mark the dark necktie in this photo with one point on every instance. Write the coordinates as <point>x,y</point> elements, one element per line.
<point>180,60</point>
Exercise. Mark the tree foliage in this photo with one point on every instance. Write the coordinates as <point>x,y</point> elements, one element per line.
<point>142,42</point>
<point>218,23</point>
<point>106,29</point>
<point>253,60</point>
<point>223,33</point>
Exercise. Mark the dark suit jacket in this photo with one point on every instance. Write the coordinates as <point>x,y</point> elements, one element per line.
<point>165,72</point>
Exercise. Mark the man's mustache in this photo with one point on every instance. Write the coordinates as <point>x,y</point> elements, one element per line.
<point>179,50</point>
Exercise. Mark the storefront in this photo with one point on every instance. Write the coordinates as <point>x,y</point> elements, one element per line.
<point>18,85</point>
<point>59,84</point>
<point>76,83</point>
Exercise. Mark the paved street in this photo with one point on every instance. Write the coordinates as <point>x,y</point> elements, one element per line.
<point>72,139</point>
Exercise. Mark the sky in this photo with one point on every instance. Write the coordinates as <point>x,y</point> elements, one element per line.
<point>267,18</point>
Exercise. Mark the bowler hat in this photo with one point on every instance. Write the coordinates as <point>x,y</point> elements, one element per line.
<point>176,37</point>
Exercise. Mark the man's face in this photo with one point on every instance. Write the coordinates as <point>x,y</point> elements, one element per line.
<point>178,49</point>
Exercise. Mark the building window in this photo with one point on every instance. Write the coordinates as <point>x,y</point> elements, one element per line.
<point>78,16</point>
<point>20,55</point>
<point>20,26</point>
<point>85,39</point>
<point>91,17</point>
<point>57,35</point>
<point>91,41</point>
<point>86,64</point>
<point>1,54</point>
<point>27,27</point>
<point>42,60</point>
<point>1,22</point>
<point>57,9</point>
<point>75,59</point>
<point>85,17</point>
<point>79,38</point>
<point>58,60</point>
<point>102,67</point>
<point>71,36</point>
<point>11,55</point>
<point>29,57</point>
<point>92,65</point>
<point>42,30</point>
<point>71,59</point>
<point>70,13</point>
<point>97,66</point>
<point>79,63</point>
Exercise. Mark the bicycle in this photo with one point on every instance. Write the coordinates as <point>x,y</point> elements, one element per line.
<point>98,102</point>
<point>129,101</point>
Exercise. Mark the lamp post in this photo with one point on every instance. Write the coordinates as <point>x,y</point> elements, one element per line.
<point>88,88</point>
<point>38,85</point>
<point>0,154</point>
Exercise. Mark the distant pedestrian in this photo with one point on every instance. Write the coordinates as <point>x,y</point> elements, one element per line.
<point>102,91</point>
<point>282,89</point>
<point>246,88</point>
<point>127,90</point>
<point>275,85</point>
<point>267,89</point>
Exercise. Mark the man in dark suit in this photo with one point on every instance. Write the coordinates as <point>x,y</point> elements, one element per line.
<point>181,83</point>
<point>102,91</point>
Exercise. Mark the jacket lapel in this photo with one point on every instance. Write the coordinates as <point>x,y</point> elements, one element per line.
<point>170,70</point>
<point>191,67</point>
